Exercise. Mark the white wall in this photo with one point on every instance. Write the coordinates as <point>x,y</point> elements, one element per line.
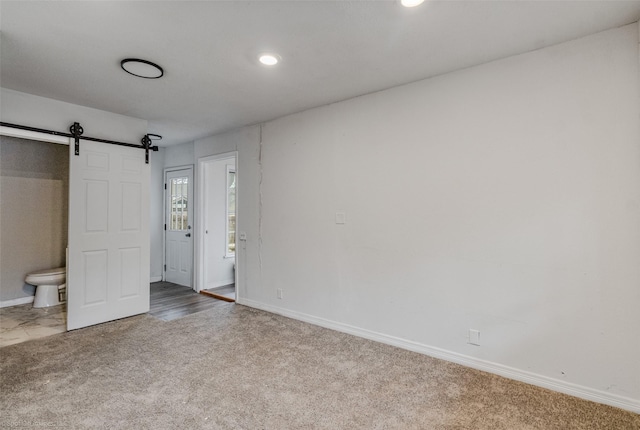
<point>218,270</point>
<point>156,213</point>
<point>503,198</point>
<point>178,155</point>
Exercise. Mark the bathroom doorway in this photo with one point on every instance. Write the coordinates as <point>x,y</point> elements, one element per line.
<point>34,196</point>
<point>218,177</point>
<point>34,201</point>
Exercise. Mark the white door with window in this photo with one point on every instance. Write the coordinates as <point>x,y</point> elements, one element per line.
<point>108,261</point>
<point>178,226</point>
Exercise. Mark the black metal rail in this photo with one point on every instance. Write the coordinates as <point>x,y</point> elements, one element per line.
<point>75,132</point>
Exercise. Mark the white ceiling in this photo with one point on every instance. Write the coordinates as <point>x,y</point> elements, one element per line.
<point>331,51</point>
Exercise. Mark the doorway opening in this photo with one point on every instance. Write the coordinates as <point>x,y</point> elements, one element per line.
<point>34,202</point>
<point>218,177</point>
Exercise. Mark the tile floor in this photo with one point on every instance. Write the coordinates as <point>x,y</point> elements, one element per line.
<point>23,322</point>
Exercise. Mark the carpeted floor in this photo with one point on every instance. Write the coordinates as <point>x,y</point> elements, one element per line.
<point>234,367</point>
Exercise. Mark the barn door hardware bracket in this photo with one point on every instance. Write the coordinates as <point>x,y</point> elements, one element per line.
<point>147,145</point>
<point>76,131</point>
<point>147,141</point>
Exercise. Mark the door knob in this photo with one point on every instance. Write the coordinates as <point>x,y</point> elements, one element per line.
<point>188,235</point>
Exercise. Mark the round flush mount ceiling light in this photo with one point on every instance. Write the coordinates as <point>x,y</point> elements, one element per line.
<point>141,68</point>
<point>269,59</point>
<point>411,3</point>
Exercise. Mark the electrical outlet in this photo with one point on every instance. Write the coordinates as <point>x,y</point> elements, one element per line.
<point>341,218</point>
<point>474,337</point>
<point>279,293</point>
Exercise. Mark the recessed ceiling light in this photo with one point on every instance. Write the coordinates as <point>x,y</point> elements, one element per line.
<point>269,59</point>
<point>141,68</point>
<point>411,3</point>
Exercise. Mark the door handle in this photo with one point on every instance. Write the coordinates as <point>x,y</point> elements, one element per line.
<point>188,235</point>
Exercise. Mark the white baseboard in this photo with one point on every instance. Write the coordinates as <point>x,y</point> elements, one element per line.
<point>16,302</point>
<point>155,279</point>
<point>576,390</point>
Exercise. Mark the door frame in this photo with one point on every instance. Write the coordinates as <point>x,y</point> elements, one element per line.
<point>164,217</point>
<point>34,135</point>
<point>202,198</point>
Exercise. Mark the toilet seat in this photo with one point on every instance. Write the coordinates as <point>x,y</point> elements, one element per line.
<point>49,277</point>
<point>58,271</point>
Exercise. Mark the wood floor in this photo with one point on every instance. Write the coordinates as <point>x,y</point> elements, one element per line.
<point>171,301</point>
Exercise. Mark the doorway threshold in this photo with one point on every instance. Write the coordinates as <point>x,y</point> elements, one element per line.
<point>226,293</point>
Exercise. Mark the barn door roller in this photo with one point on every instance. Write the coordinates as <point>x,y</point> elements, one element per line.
<point>76,131</point>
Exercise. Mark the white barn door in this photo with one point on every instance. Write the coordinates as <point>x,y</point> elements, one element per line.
<point>108,261</point>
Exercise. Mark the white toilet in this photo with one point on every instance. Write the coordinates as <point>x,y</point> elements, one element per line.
<point>50,286</point>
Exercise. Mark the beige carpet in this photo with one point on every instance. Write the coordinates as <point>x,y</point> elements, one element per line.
<point>237,368</point>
